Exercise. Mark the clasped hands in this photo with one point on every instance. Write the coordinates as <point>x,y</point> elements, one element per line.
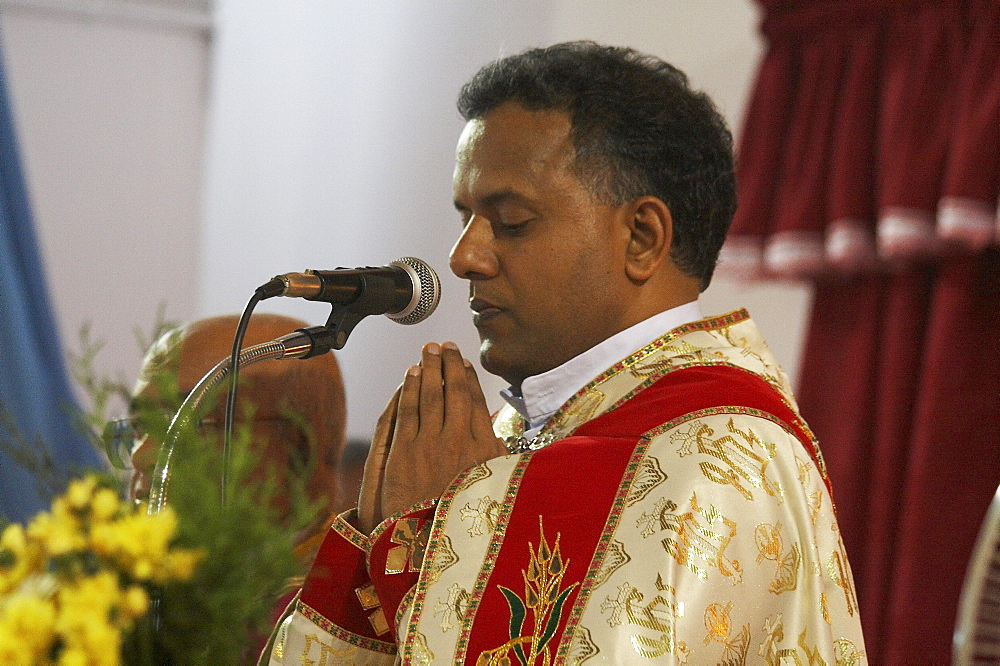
<point>436,425</point>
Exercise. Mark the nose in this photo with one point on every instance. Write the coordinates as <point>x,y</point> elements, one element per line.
<point>472,257</point>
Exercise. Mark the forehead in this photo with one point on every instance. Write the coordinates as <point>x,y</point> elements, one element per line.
<point>510,142</point>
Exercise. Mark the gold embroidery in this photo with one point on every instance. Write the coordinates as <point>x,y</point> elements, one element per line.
<point>411,538</point>
<point>648,477</point>
<point>444,558</point>
<point>659,615</point>
<point>452,610</point>
<point>615,559</point>
<point>278,651</point>
<point>694,539</point>
<point>475,475</point>
<point>718,622</point>
<point>484,516</point>
<point>378,622</point>
<point>840,574</point>
<point>824,607</point>
<point>742,462</point>
<point>543,601</point>
<point>846,653</point>
<point>582,648</point>
<point>327,653</point>
<point>685,439</point>
<point>367,597</point>
<point>422,654</point>
<point>769,547</point>
<point>580,411</point>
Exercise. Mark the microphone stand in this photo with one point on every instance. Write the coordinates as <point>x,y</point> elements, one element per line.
<point>303,343</point>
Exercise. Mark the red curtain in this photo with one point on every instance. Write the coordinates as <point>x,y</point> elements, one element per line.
<point>870,164</point>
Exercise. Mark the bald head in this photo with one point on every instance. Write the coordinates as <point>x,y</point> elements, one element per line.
<point>282,396</point>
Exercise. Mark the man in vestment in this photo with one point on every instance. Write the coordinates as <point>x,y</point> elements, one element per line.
<point>295,411</point>
<point>650,491</point>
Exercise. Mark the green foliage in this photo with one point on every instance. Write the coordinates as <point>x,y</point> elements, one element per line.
<point>224,611</point>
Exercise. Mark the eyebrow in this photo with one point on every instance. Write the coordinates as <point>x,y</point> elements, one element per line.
<point>494,199</point>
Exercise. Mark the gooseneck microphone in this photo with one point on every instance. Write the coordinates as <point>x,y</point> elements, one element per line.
<point>406,291</point>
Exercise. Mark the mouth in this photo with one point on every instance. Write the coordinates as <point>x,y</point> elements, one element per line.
<point>484,310</point>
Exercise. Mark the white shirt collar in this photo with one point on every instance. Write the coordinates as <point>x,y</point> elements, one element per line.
<point>541,395</point>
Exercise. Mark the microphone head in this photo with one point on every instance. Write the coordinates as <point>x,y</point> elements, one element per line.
<point>426,291</point>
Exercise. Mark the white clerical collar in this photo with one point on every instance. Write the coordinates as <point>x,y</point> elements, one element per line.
<point>541,395</point>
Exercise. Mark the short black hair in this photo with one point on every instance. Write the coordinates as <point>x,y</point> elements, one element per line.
<point>638,129</point>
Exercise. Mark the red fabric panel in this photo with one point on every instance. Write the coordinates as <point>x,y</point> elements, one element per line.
<point>973,166</point>
<point>922,58</point>
<point>900,383</point>
<point>954,464</point>
<point>866,111</point>
<point>759,157</point>
<point>572,483</point>
<point>339,569</point>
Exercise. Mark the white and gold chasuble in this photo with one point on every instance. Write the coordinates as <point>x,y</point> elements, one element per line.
<point>681,515</point>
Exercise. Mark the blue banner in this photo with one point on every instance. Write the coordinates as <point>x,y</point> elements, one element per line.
<point>34,390</point>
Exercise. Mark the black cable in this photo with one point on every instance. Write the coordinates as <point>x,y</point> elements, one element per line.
<point>234,370</point>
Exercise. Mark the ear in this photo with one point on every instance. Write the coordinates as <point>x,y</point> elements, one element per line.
<point>651,232</point>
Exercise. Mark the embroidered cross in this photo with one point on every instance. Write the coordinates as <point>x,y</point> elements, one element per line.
<point>411,538</point>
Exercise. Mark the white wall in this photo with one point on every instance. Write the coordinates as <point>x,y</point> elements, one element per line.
<point>331,131</point>
<point>109,109</point>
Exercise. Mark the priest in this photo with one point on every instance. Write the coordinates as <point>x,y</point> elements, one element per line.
<point>650,491</point>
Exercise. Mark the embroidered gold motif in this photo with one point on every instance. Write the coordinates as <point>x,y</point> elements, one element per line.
<point>453,609</point>
<point>718,623</point>
<point>685,439</point>
<point>774,633</point>
<point>579,411</point>
<point>769,547</point>
<point>475,475</point>
<point>582,647</point>
<point>805,471</point>
<point>378,622</point>
<point>840,574</point>
<point>543,602</point>
<point>648,477</point>
<point>484,516</point>
<point>614,559</point>
<point>659,615</point>
<point>694,540</point>
<point>444,558</point>
<point>422,654</point>
<point>824,607</point>
<point>278,651</point>
<point>367,597</point>
<point>327,653</point>
<point>846,653</point>
<point>741,462</point>
<point>411,538</point>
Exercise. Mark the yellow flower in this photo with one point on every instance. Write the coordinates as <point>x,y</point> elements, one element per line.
<point>79,492</point>
<point>31,621</point>
<point>13,539</point>
<point>73,656</point>
<point>181,563</point>
<point>136,602</point>
<point>104,505</point>
<point>58,532</point>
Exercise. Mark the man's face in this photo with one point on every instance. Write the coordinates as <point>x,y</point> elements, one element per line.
<point>544,258</point>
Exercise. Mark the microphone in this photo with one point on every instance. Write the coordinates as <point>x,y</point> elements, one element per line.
<point>406,291</point>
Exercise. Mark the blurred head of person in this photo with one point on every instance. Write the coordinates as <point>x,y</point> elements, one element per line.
<point>293,410</point>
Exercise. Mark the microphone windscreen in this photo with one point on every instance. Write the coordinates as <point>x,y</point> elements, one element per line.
<point>426,291</point>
